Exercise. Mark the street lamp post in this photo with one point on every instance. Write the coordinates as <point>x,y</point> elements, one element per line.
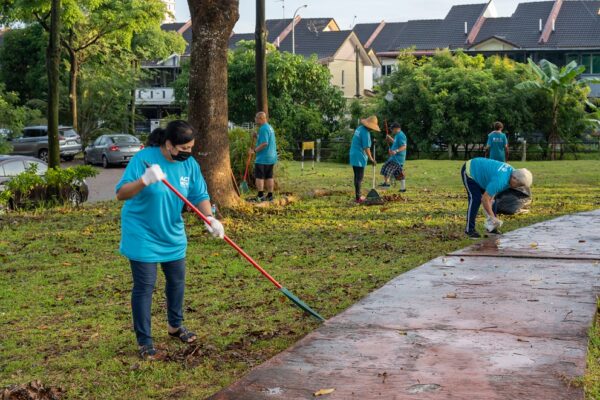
<point>293,26</point>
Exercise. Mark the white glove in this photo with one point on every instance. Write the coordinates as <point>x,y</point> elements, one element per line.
<point>153,174</point>
<point>492,223</point>
<point>215,228</point>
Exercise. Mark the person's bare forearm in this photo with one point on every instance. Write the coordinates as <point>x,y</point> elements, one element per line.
<point>260,147</point>
<point>205,207</point>
<point>129,190</point>
<point>487,204</point>
<point>368,152</point>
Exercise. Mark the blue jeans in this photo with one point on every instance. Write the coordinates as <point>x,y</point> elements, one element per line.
<point>475,193</point>
<point>144,278</point>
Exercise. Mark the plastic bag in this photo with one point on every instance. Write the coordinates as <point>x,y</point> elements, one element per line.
<point>513,201</point>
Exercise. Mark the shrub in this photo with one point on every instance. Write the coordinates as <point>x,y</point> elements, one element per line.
<point>30,189</point>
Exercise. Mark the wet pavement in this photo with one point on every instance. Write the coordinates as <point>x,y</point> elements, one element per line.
<point>510,323</point>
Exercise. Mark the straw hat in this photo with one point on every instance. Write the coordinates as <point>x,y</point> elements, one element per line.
<point>371,123</point>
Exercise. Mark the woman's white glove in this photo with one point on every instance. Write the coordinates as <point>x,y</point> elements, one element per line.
<point>215,228</point>
<point>153,174</point>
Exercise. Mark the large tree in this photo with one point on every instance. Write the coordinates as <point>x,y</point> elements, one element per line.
<point>87,23</point>
<point>212,24</point>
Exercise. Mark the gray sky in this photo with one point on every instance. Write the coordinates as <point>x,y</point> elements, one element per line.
<point>344,10</point>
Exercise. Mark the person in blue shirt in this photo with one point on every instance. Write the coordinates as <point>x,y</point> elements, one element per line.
<point>152,228</point>
<point>497,144</point>
<point>394,166</point>
<point>483,179</point>
<point>266,157</point>
<point>360,152</point>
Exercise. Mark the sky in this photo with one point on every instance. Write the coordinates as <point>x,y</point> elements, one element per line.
<point>349,12</point>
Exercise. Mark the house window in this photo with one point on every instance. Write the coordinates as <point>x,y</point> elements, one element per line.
<point>591,62</point>
<point>343,78</point>
<point>386,70</point>
<point>573,57</point>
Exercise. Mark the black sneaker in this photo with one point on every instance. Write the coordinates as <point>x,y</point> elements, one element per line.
<point>258,199</point>
<point>474,235</point>
<point>269,198</point>
<point>495,232</point>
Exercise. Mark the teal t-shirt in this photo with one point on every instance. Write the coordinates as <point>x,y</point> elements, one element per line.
<point>491,175</point>
<point>268,155</point>
<point>152,228</point>
<point>360,141</point>
<point>399,141</point>
<point>497,141</point>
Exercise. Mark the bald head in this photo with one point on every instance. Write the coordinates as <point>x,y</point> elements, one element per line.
<point>260,118</point>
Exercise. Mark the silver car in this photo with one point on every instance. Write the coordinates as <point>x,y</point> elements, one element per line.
<point>34,142</point>
<point>113,149</point>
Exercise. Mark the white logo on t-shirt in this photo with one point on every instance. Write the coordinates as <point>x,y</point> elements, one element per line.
<point>184,181</point>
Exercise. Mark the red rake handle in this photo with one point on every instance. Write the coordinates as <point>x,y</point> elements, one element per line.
<point>247,165</point>
<point>226,238</point>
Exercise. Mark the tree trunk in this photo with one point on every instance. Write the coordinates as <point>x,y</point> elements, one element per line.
<point>260,35</point>
<point>212,24</point>
<point>53,67</point>
<point>73,75</point>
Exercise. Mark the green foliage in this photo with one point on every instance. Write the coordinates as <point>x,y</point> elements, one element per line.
<point>155,44</point>
<point>106,92</point>
<point>29,188</point>
<point>13,117</point>
<point>22,63</point>
<point>455,98</point>
<point>303,103</point>
<point>564,100</point>
<point>240,140</point>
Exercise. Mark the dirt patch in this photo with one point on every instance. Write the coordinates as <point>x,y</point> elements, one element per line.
<point>32,391</point>
<point>394,197</point>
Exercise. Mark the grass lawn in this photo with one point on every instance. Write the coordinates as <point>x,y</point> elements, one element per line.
<point>64,288</point>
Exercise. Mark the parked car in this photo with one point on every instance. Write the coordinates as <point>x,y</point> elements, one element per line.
<point>112,149</point>
<point>34,142</point>
<point>11,166</point>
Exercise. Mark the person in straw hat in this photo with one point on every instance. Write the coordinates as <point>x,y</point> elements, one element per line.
<point>360,151</point>
<point>483,179</point>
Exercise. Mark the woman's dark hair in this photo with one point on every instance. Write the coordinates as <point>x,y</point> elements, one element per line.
<point>177,132</point>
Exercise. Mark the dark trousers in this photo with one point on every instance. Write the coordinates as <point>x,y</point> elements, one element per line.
<point>474,193</point>
<point>144,278</point>
<point>359,174</point>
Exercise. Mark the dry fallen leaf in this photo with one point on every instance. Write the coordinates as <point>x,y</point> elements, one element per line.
<point>533,245</point>
<point>582,241</point>
<point>451,295</point>
<point>323,392</point>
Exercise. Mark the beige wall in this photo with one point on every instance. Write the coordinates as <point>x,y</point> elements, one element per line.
<point>349,71</point>
<point>345,60</point>
<point>493,45</point>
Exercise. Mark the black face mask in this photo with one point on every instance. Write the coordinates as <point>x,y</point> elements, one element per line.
<point>181,156</point>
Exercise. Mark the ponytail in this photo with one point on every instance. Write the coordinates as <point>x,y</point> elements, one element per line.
<point>156,138</point>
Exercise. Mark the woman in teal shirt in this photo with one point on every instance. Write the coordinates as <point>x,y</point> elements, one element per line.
<point>152,229</point>
<point>360,149</point>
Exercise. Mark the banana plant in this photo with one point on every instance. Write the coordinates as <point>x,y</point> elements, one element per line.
<point>558,83</point>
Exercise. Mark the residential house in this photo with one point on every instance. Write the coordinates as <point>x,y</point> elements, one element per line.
<point>559,31</point>
<point>155,97</point>
<point>342,52</point>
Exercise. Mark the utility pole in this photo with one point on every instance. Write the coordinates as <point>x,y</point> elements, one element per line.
<point>261,58</point>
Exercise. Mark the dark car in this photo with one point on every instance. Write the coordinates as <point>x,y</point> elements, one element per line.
<point>112,150</point>
<point>11,166</point>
